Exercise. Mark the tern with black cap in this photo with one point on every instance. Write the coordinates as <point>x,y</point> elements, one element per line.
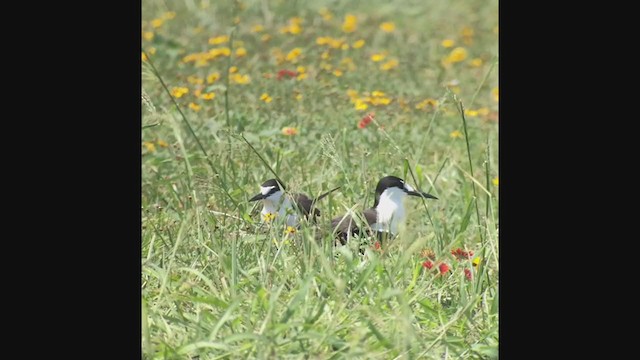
<point>277,203</point>
<point>387,212</point>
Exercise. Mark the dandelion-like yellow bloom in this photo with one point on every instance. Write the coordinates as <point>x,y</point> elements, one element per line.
<point>495,181</point>
<point>447,43</point>
<point>378,57</point>
<point>337,72</point>
<point>387,27</point>
<point>217,40</point>
<point>195,80</point>
<point>240,52</point>
<point>301,76</point>
<point>211,78</point>
<point>495,93</point>
<point>265,97</point>
<point>483,111</point>
<point>380,101</point>
<point>301,69</point>
<point>290,230</point>
<point>152,50</point>
<point>208,96</point>
<point>147,35</point>
<point>233,70</point>
<point>350,23</point>
<point>178,92</point>
<point>353,95</point>
<point>156,23</point>
<point>265,38</point>
<point>240,79</point>
<point>360,105</point>
<point>293,55</point>
<point>336,43</point>
<point>325,55</point>
<point>472,113</point>
<point>195,107</point>
<point>456,134</point>
<point>289,131</point>
<point>144,57</point>
<point>326,66</point>
<point>477,62</point>
<point>475,262</point>
<point>377,93</point>
<point>426,104</point>
<point>149,146</point>
<point>358,44</point>
<point>299,97</point>
<point>348,62</point>
<point>323,40</point>
<point>457,55</point>
<point>162,143</point>
<point>269,217</point>
<point>391,64</point>
<point>257,28</point>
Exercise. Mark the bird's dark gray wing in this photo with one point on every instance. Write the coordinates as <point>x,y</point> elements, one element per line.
<point>346,225</point>
<point>305,204</point>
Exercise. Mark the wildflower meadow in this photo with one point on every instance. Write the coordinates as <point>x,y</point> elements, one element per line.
<point>322,94</point>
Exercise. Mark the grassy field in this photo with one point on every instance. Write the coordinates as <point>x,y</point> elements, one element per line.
<point>329,93</point>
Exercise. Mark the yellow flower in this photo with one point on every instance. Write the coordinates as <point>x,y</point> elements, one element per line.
<point>290,230</point>
<point>447,43</point>
<point>233,69</point>
<point>336,43</point>
<point>169,15</point>
<point>358,44</point>
<point>378,57</point>
<point>144,57</point>
<point>360,105</point>
<point>344,47</point>
<point>484,111</point>
<point>301,76</point>
<point>456,134</point>
<point>208,96</point>
<point>217,40</point>
<point>458,54</point>
<point>265,97</point>
<point>152,50</point>
<point>350,23</point>
<point>301,69</point>
<point>352,94</point>
<point>156,23</point>
<point>213,77</point>
<point>269,217</point>
<point>195,80</point>
<point>495,93</point>
<point>325,55</point>
<point>149,146</point>
<point>475,261</point>
<point>387,27</point>
<point>241,79</point>
<point>477,62</point>
<point>294,27</point>
<point>348,62</point>
<point>427,103</point>
<point>265,37</point>
<point>257,28</point>
<point>215,52</point>
<point>240,52</point>
<point>147,35</point>
<point>194,107</point>
<point>380,101</point>
<point>472,113</point>
<point>337,72</point>
<point>289,131</point>
<point>325,66</point>
<point>162,143</point>
<point>293,54</point>
<point>178,92</point>
<point>391,64</point>
<point>323,40</point>
<point>495,181</point>
<point>467,35</point>
<point>299,97</point>
<point>377,93</point>
<point>197,93</point>
<point>326,14</point>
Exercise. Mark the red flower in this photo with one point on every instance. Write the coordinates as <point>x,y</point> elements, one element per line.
<point>285,72</point>
<point>467,274</point>
<point>377,245</point>
<point>461,254</point>
<point>428,264</point>
<point>366,120</point>
<point>443,268</point>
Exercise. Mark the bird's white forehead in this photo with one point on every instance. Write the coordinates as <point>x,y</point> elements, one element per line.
<point>265,190</point>
<point>408,187</point>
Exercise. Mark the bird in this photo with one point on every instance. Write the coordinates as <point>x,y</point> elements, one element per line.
<point>386,214</point>
<point>272,193</point>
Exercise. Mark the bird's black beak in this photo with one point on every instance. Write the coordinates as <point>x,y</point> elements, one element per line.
<point>257,197</point>
<point>421,194</point>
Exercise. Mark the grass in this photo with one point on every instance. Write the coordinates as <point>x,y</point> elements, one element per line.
<point>216,282</point>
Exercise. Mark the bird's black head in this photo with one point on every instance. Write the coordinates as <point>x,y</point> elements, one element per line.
<point>267,189</point>
<point>388,182</point>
